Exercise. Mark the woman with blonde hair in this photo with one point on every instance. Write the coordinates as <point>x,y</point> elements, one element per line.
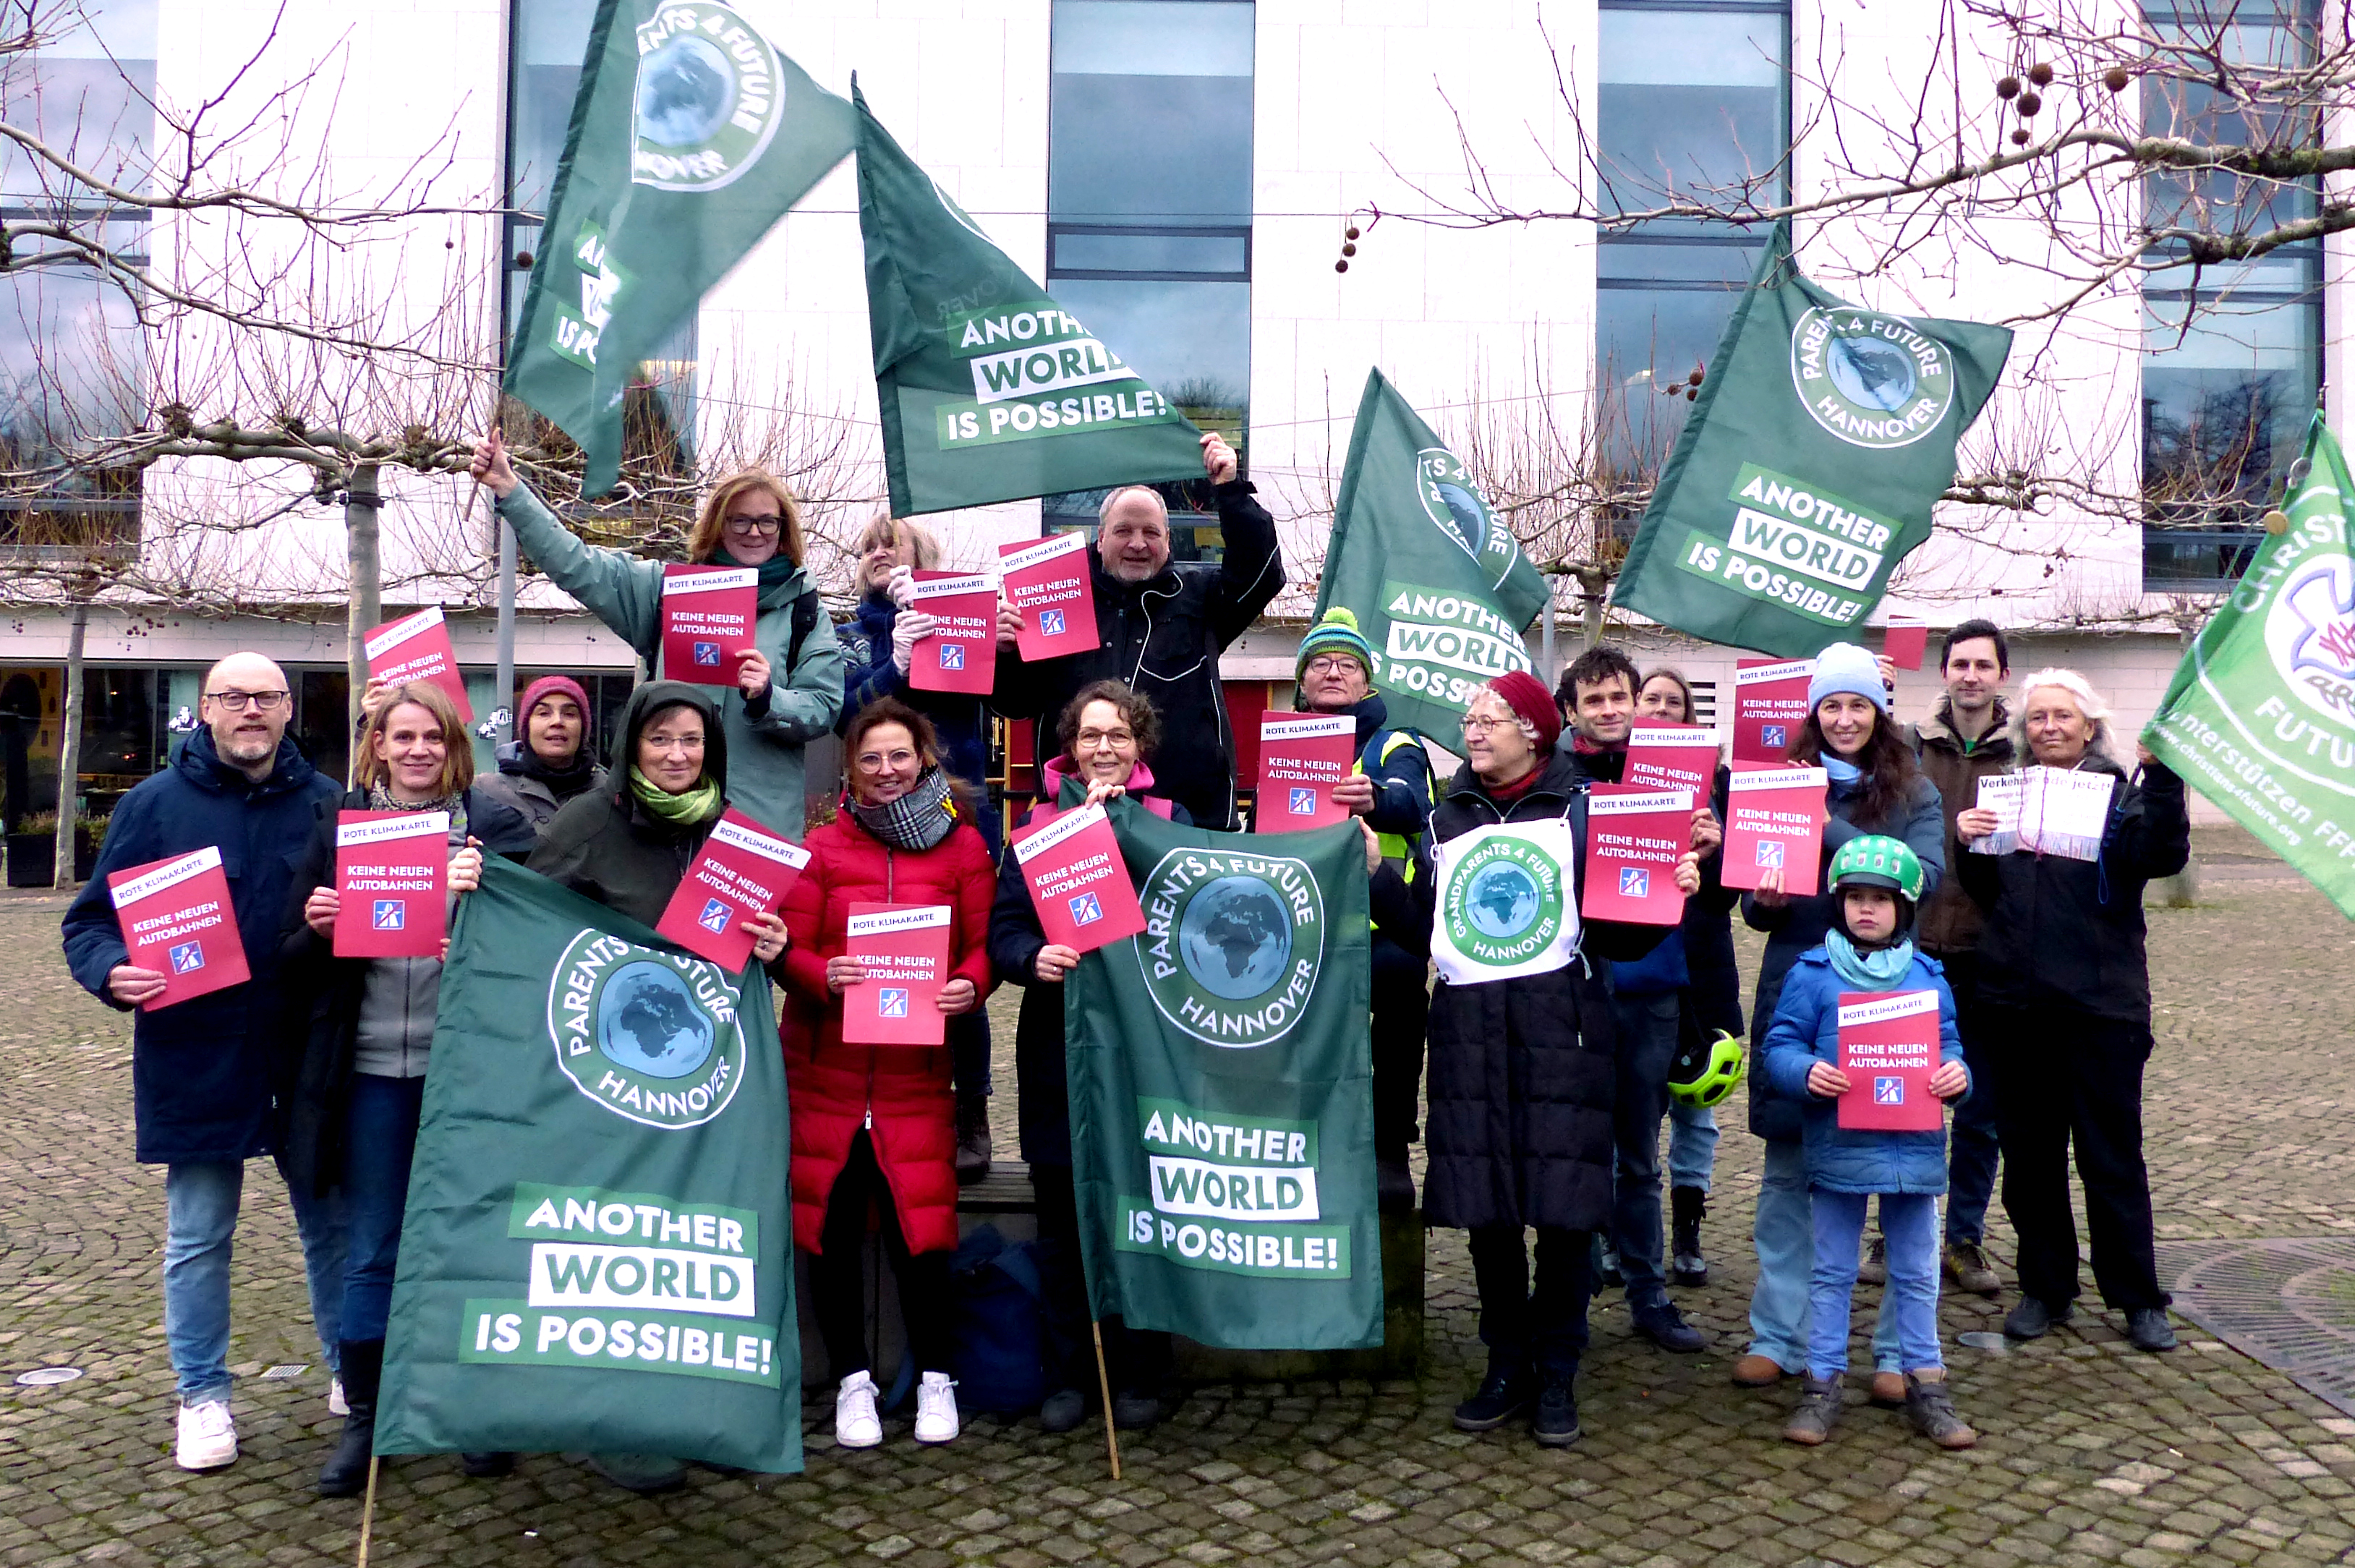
<point>788,687</point>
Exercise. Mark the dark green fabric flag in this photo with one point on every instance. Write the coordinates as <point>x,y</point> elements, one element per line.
<point>1221,1091</point>
<point>1823,436</point>
<point>1439,586</point>
<point>597,1248</point>
<point>690,137</point>
<point>990,389</point>
<point>2260,717</point>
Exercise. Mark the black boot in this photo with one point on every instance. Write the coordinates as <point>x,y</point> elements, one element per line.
<point>1503,1394</point>
<point>972,1137</point>
<point>345,1475</point>
<point>1556,1425</point>
<point>1687,1205</point>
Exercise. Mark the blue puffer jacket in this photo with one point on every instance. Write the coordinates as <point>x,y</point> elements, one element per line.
<point>1805,1031</point>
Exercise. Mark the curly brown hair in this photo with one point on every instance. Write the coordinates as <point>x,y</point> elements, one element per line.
<point>1132,704</point>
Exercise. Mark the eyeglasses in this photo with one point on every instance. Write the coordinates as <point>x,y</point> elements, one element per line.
<point>1331,663</point>
<point>238,701</point>
<point>1091,739</point>
<point>770,524</point>
<point>1473,724</point>
<point>671,742</point>
<point>874,762</point>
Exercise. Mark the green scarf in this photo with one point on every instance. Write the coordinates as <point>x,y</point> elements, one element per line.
<point>692,809</point>
<point>775,572</point>
<point>1874,969</point>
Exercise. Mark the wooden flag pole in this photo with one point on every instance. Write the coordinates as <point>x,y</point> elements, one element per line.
<point>367,1513</point>
<point>1104,1382</point>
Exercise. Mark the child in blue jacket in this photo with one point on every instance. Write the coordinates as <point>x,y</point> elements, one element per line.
<point>1877,881</point>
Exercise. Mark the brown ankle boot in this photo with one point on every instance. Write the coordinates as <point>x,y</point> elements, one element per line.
<point>972,1138</point>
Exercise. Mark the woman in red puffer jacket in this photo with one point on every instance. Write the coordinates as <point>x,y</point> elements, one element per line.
<point>875,1126</point>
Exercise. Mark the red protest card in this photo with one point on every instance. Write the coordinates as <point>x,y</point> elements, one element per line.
<point>1671,756</point>
<point>392,879</point>
<point>708,616</point>
<point>1078,881</point>
<point>417,647</point>
<point>1774,821</point>
<point>1769,704</point>
<point>1905,640</point>
<point>1634,837</point>
<point>1301,758</point>
<point>962,653</point>
<point>1889,1049</point>
<point>178,920</point>
<point>1047,583</point>
<point>743,871</point>
<point>904,949</point>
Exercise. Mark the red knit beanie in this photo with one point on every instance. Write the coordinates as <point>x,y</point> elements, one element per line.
<point>1527,697</point>
<point>551,686</point>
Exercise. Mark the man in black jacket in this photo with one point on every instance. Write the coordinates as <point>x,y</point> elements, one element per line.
<point>1160,628</point>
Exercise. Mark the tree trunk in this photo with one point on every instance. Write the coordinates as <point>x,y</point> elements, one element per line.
<point>360,509</point>
<point>70,750</point>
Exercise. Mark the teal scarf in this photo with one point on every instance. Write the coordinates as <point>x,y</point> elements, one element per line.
<point>1879,969</point>
<point>775,572</point>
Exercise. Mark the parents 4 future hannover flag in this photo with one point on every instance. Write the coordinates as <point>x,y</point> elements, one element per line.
<point>990,389</point>
<point>2260,717</point>
<point>690,137</point>
<point>1221,1103</point>
<point>597,1252</point>
<point>1438,585</point>
<point>1823,437</point>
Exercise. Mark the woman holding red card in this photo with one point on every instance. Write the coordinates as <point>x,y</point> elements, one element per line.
<point>875,1124</point>
<point>368,1027</point>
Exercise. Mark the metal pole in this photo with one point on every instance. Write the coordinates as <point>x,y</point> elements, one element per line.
<point>361,505</point>
<point>503,713</point>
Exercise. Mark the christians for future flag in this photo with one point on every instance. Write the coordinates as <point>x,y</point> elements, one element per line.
<point>990,389</point>
<point>1774,822</point>
<point>690,137</point>
<point>1889,1049</point>
<point>1634,838</point>
<point>961,654</point>
<point>1078,881</point>
<point>743,872</point>
<point>904,948</point>
<point>1301,758</point>
<point>178,920</point>
<point>2260,717</point>
<point>1824,436</point>
<point>1221,1102</point>
<point>707,620</point>
<point>1047,584</point>
<point>1770,706</point>
<point>417,647</point>
<point>392,875</point>
<point>1438,585</point>
<point>597,1248</point>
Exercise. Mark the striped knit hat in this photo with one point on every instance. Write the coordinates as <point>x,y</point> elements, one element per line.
<point>1336,633</point>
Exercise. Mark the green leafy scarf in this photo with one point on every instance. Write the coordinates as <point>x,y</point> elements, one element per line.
<point>692,809</point>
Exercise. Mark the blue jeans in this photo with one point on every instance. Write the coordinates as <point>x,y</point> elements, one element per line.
<point>1909,1224</point>
<point>1645,1029</point>
<point>1785,1235</point>
<point>1692,1144</point>
<point>200,1204</point>
<point>381,1135</point>
<point>1971,1160</point>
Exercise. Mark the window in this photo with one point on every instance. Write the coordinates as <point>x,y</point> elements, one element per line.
<point>1693,100</point>
<point>71,346</point>
<point>2230,370</point>
<point>1149,207</point>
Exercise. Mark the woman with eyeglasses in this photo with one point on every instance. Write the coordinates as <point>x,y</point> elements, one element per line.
<point>788,687</point>
<point>874,1125</point>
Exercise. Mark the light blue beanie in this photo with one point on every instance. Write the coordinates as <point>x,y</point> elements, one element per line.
<point>1844,667</point>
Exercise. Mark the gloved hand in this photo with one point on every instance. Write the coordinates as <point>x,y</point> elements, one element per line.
<point>907,630</point>
<point>902,586</point>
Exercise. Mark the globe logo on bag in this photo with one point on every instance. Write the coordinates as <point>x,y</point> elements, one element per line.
<point>653,1037</point>
<point>1504,903</point>
<point>710,97</point>
<point>1501,900</point>
<point>1873,381</point>
<point>1232,945</point>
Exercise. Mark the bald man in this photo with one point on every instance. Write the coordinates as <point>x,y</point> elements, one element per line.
<point>201,1073</point>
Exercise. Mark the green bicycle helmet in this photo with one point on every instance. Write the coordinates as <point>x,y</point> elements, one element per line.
<point>1704,1073</point>
<point>1877,861</point>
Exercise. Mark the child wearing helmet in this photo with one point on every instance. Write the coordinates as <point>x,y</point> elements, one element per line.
<point>1876,883</point>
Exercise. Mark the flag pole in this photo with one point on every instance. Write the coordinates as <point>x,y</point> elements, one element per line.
<point>1104,1382</point>
<point>367,1513</point>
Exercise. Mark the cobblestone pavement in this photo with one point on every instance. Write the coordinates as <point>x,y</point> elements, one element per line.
<point>2090,1452</point>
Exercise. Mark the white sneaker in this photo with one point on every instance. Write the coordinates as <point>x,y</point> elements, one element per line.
<point>856,1425</point>
<point>936,1413</point>
<point>336,1404</point>
<point>207,1438</point>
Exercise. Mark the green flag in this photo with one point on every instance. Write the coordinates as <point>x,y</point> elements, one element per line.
<point>1808,469</point>
<point>1221,1102</point>
<point>690,137</point>
<point>597,1248</point>
<point>2260,717</point>
<point>1440,588</point>
<point>990,389</point>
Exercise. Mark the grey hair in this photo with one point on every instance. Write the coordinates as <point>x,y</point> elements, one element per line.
<point>1529,730</point>
<point>2089,702</point>
<point>1103,513</point>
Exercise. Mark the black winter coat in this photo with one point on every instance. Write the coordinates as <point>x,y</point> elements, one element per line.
<point>1164,637</point>
<point>2069,934</point>
<point>1521,1079</point>
<point>323,991</point>
<point>204,1073</point>
<point>605,845</point>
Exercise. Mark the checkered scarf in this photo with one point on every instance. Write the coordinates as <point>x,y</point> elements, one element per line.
<point>917,819</point>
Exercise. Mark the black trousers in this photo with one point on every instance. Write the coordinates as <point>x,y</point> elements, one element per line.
<point>1401,1003</point>
<point>838,1286</point>
<point>1136,1359</point>
<point>1545,1326</point>
<point>2067,1079</point>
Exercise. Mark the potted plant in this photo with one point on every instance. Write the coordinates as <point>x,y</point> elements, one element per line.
<point>33,851</point>
<point>90,837</point>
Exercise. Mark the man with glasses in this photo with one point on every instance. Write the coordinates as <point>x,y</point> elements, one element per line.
<point>201,1076</point>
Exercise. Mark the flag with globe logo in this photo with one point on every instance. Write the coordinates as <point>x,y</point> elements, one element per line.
<point>691,135</point>
<point>1437,581</point>
<point>1221,1091</point>
<point>1808,466</point>
<point>597,1251</point>
<point>2260,717</point>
